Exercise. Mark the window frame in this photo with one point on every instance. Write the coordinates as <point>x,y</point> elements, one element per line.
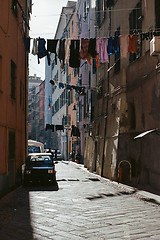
<point>135,27</point>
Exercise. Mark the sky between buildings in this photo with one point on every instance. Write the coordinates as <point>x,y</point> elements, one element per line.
<point>44,21</point>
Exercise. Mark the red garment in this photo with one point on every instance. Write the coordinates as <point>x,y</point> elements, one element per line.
<point>132,44</point>
<point>84,50</point>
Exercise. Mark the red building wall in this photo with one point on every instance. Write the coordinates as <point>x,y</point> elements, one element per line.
<point>13,77</point>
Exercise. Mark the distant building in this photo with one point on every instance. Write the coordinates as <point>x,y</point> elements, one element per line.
<point>59,96</point>
<point>36,110</point>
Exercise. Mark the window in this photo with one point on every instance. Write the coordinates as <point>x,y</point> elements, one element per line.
<point>53,110</point>
<point>69,32</point>
<point>69,97</point>
<point>76,70</point>
<point>79,111</point>
<point>69,78</point>
<point>63,97</point>
<point>80,80</point>
<point>84,11</point>
<point>11,145</point>
<point>94,67</point>
<point>69,120</point>
<point>84,106</point>
<point>89,80</point>
<point>101,7</point>
<point>13,80</point>
<point>57,105</point>
<point>117,55</point>
<point>14,7</point>
<point>135,26</point>
<point>72,26</point>
<point>157,15</point>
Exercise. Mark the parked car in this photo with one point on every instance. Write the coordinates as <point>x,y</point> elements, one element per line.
<point>39,167</point>
<point>59,155</point>
<point>35,147</point>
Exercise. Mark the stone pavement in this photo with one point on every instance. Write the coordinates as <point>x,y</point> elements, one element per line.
<point>85,206</point>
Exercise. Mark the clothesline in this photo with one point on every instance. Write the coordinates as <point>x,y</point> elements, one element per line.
<point>84,49</point>
<point>124,31</point>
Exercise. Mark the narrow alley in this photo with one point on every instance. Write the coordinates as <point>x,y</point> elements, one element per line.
<point>85,206</point>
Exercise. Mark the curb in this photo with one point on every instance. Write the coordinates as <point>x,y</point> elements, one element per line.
<point>143,195</point>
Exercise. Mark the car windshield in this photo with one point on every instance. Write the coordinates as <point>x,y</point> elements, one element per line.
<point>39,160</point>
<point>34,149</point>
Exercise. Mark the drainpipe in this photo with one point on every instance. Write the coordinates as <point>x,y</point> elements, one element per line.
<point>106,113</point>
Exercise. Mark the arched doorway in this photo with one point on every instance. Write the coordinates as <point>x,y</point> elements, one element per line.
<point>124,171</point>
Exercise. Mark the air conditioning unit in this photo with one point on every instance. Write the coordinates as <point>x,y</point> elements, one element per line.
<point>155,46</point>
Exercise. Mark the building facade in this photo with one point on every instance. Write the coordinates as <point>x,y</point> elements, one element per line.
<point>87,75</point>
<point>34,99</point>
<point>60,95</point>
<point>14,27</point>
<point>128,101</point>
<point>72,79</point>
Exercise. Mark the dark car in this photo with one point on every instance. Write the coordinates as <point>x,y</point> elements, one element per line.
<point>39,167</point>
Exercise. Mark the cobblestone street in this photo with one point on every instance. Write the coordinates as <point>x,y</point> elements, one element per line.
<point>85,206</point>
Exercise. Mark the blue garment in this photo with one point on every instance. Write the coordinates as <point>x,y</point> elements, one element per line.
<point>116,44</point>
<point>113,45</point>
<point>61,85</point>
<point>69,87</point>
<point>42,52</point>
<point>110,47</point>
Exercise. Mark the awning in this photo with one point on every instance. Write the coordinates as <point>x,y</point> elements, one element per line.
<point>145,133</point>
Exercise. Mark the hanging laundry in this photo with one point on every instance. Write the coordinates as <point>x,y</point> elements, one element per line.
<point>61,85</point>
<point>75,131</point>
<point>61,52</point>
<point>124,46</point>
<point>92,50</point>
<point>69,87</point>
<point>42,52</point>
<point>110,47</point>
<point>84,50</point>
<point>101,46</point>
<point>116,44</point>
<point>50,127</point>
<point>52,82</point>
<point>67,51</point>
<point>79,90</point>
<point>156,33</point>
<point>52,45</point>
<point>146,36</point>
<point>132,44</point>
<point>27,43</point>
<point>59,127</point>
<point>35,47</point>
<point>74,61</point>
